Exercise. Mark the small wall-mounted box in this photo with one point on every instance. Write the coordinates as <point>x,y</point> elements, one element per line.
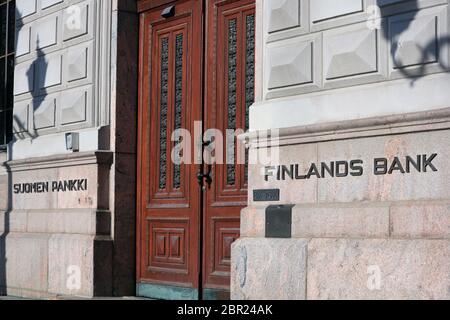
<point>73,141</point>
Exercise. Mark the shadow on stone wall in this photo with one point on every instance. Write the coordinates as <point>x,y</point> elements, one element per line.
<point>429,52</point>
<point>40,91</point>
<point>6,229</point>
<point>20,133</point>
<point>124,277</point>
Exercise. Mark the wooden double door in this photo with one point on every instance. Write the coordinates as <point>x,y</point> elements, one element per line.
<point>197,66</point>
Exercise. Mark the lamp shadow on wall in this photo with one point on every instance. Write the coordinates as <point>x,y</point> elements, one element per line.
<point>428,54</point>
<point>36,83</point>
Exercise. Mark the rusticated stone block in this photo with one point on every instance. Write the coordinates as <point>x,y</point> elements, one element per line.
<point>283,14</point>
<point>337,221</point>
<point>71,269</point>
<point>25,8</point>
<point>378,269</point>
<point>285,67</point>
<point>253,222</point>
<point>26,264</point>
<point>416,185</point>
<point>15,221</point>
<point>77,221</point>
<point>271,269</point>
<point>326,9</point>
<point>426,220</point>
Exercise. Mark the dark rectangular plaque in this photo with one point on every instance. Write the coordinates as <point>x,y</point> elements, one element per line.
<point>279,221</point>
<point>266,195</point>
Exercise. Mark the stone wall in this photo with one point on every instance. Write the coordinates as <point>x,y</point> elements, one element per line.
<point>58,242</point>
<point>340,87</point>
<point>76,71</point>
<point>61,80</point>
<point>352,237</point>
<point>323,55</point>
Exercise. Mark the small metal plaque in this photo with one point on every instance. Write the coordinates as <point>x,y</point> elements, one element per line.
<point>279,221</point>
<point>266,195</point>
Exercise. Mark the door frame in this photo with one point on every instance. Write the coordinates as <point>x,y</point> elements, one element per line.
<point>145,7</point>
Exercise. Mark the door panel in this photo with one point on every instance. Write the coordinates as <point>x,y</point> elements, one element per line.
<point>170,92</point>
<point>230,70</point>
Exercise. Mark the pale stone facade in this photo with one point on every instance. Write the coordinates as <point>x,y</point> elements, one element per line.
<point>76,239</point>
<point>341,89</point>
<point>338,83</point>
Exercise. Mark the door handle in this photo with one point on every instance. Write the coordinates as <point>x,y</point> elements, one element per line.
<point>205,176</point>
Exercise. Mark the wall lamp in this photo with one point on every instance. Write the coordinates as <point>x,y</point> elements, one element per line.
<point>73,141</point>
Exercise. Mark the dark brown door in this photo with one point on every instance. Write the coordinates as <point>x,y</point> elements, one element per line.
<point>186,228</point>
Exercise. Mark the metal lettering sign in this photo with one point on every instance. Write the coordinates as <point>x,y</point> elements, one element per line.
<point>355,168</point>
<point>52,186</point>
<point>266,195</point>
